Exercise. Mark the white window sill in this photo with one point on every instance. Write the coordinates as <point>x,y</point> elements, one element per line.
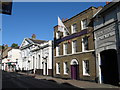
<point>65,73</point>
<point>86,74</point>
<point>85,50</point>
<point>57,73</point>
<point>74,52</point>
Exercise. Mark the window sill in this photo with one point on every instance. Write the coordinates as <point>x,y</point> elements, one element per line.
<point>65,73</point>
<point>58,73</point>
<point>85,50</point>
<point>86,74</point>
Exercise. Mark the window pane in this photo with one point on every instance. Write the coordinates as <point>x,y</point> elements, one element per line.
<point>65,68</point>
<point>85,43</point>
<point>74,46</point>
<point>86,67</point>
<point>58,68</point>
<point>65,48</point>
<point>84,24</point>
<point>58,50</point>
<point>74,28</point>
<point>65,32</point>
<point>57,35</point>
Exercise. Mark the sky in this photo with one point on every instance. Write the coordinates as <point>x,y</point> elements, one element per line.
<point>38,18</point>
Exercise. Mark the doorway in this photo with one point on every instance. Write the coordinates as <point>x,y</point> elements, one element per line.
<point>109,67</point>
<point>74,69</point>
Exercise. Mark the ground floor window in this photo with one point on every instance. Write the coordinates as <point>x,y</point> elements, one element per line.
<point>57,68</point>
<point>86,67</point>
<point>65,64</point>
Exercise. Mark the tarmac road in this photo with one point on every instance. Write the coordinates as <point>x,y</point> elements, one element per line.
<point>15,80</point>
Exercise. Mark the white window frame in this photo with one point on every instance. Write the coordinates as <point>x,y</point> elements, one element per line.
<point>82,22</point>
<point>74,47</point>
<point>84,68</point>
<point>65,33</point>
<point>65,68</point>
<point>58,50</point>
<point>57,35</point>
<point>57,68</point>
<point>72,28</point>
<point>65,48</point>
<point>83,45</point>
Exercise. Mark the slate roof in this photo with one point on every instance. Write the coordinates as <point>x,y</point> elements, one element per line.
<point>106,7</point>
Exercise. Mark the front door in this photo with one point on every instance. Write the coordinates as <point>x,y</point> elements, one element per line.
<point>74,72</point>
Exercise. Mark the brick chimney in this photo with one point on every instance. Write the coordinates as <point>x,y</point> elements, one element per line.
<point>107,2</point>
<point>33,36</point>
<point>64,19</point>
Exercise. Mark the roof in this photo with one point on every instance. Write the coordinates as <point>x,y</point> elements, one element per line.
<point>78,14</point>
<point>106,7</point>
<point>5,52</point>
<point>37,41</point>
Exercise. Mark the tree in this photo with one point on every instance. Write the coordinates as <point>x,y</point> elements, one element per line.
<point>14,45</point>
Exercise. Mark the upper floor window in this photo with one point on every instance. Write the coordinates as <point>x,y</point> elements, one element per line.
<point>58,50</point>
<point>74,28</point>
<point>84,24</point>
<point>65,47</point>
<point>74,46</point>
<point>57,35</point>
<point>86,67</point>
<point>65,33</point>
<point>85,43</point>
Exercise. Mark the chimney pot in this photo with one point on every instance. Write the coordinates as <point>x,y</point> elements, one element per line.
<point>107,2</point>
<point>33,36</point>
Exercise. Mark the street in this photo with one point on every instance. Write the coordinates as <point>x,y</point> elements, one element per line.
<point>14,80</point>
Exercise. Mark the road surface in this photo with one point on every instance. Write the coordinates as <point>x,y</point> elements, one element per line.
<point>14,80</point>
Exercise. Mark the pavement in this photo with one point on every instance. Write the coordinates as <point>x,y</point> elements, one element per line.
<point>77,83</point>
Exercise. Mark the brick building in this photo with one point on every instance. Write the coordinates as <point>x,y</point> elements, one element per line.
<point>74,56</point>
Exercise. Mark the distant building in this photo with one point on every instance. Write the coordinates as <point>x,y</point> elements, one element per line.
<point>37,56</point>
<point>4,58</point>
<point>107,43</point>
<point>44,58</point>
<point>14,60</point>
<point>74,55</point>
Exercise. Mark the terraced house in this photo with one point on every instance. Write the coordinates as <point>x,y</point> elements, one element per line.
<point>107,43</point>
<point>74,56</point>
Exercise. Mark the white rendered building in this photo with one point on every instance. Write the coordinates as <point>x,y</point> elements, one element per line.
<point>36,56</point>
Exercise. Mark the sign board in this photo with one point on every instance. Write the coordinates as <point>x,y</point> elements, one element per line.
<point>6,7</point>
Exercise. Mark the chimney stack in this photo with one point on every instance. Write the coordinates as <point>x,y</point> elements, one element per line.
<point>107,2</point>
<point>64,19</point>
<point>33,36</point>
